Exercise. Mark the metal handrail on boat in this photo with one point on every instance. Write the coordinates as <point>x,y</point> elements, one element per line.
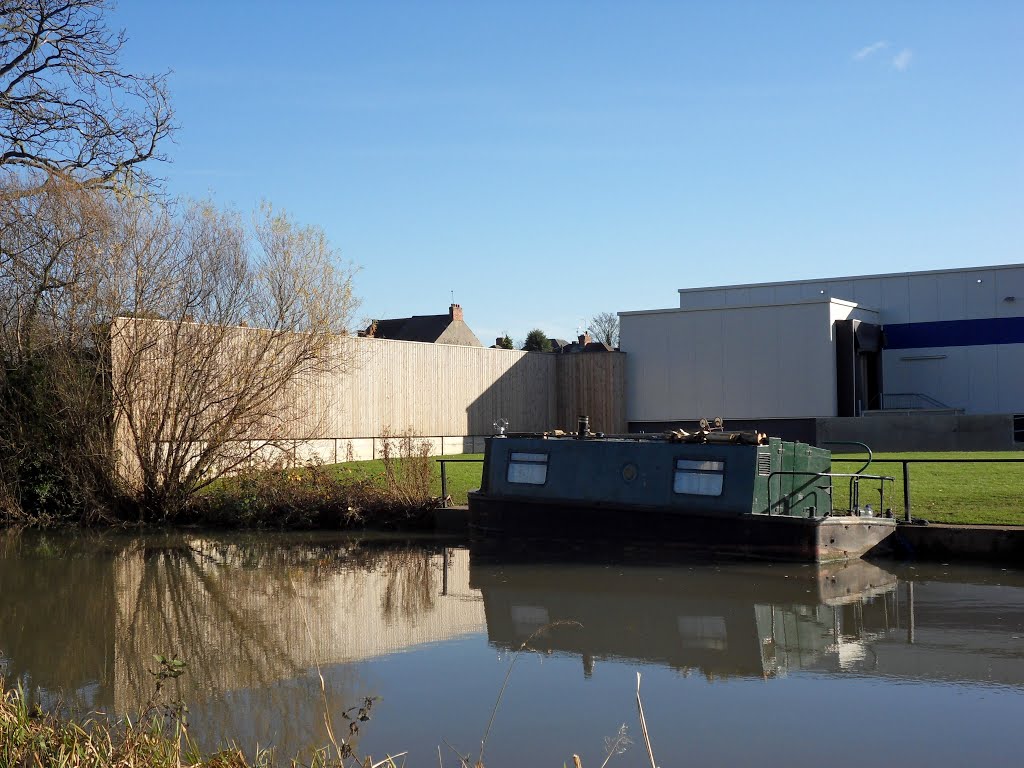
<point>859,444</point>
<point>855,478</point>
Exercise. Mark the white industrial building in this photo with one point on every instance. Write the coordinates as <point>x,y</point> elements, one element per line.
<point>943,340</point>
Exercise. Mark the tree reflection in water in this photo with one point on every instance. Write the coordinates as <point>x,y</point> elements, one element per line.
<point>410,587</point>
<point>253,616</point>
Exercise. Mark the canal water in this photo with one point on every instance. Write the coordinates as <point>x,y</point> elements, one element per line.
<point>741,664</point>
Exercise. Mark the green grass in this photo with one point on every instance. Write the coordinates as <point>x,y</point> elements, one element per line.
<point>987,494</point>
<point>461,477</point>
<point>990,494</point>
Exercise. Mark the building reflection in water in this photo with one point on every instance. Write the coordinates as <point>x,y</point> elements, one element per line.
<point>255,617</point>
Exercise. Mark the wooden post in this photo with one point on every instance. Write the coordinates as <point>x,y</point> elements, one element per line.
<point>906,491</point>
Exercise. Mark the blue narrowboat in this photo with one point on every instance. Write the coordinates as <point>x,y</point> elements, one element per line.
<point>713,491</point>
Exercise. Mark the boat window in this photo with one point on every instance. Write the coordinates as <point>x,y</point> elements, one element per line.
<point>527,468</point>
<point>699,477</point>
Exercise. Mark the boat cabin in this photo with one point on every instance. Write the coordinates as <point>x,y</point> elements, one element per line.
<point>774,478</point>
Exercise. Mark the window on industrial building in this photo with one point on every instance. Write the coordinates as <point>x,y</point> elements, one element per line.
<point>527,468</point>
<point>1018,428</point>
<point>699,477</point>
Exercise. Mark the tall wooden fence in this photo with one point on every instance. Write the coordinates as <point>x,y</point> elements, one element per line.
<point>449,394</point>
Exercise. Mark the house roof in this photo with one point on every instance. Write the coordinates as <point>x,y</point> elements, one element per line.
<point>415,328</point>
<point>432,329</point>
<point>590,346</point>
<point>557,345</point>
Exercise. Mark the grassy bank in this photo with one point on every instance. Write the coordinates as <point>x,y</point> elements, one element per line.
<point>987,494</point>
<point>401,492</point>
<point>462,477</point>
<point>396,491</point>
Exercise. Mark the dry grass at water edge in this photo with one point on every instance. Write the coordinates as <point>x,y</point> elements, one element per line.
<point>31,738</point>
<point>159,738</point>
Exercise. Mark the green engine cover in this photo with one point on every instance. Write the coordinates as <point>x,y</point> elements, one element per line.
<point>786,482</point>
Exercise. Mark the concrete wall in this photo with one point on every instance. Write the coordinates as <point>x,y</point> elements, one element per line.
<point>977,379</point>
<point>739,362</point>
<point>334,450</point>
<point>922,432</point>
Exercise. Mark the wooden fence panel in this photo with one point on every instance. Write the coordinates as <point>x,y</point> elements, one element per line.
<point>592,385</point>
<point>433,390</point>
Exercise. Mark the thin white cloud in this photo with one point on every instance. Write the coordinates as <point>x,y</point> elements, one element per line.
<point>902,59</point>
<point>867,50</point>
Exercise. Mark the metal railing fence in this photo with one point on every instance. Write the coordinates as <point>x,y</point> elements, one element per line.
<point>913,401</point>
<point>906,462</point>
<point>445,496</point>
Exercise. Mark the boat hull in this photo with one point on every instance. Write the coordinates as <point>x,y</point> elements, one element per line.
<point>502,523</point>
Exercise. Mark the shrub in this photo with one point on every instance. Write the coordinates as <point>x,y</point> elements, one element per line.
<point>314,497</point>
<point>537,341</point>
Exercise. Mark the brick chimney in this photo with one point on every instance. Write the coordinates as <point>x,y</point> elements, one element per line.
<point>455,312</point>
<point>584,338</point>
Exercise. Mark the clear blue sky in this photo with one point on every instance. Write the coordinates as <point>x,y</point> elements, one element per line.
<point>547,161</point>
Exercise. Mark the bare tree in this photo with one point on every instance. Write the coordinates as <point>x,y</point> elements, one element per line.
<point>148,346</point>
<point>605,327</point>
<point>225,327</point>
<point>66,106</point>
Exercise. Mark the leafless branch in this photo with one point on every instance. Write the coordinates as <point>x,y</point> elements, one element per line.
<point>605,327</point>
<point>66,105</point>
<point>173,342</point>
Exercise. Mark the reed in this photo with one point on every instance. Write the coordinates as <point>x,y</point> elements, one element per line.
<point>32,738</point>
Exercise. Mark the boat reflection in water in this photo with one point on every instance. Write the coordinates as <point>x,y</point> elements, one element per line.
<point>259,619</point>
<point>721,620</point>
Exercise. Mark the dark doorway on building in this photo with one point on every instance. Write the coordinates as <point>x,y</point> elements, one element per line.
<point>858,367</point>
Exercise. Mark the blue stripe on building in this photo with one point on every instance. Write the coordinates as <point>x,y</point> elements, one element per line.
<point>955,333</point>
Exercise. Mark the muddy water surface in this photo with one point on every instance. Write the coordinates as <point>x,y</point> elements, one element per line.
<point>769,665</point>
